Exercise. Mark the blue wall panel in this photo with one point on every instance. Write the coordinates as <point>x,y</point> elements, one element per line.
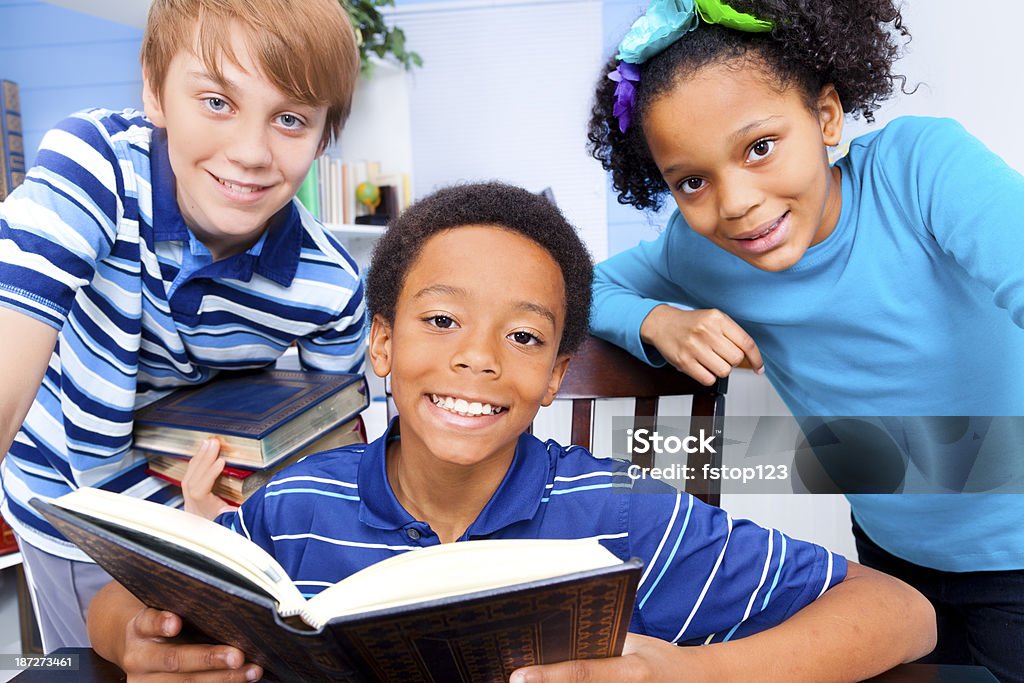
<point>64,61</point>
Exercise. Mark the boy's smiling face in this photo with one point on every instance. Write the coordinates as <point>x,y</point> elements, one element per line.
<point>239,147</point>
<point>473,350</point>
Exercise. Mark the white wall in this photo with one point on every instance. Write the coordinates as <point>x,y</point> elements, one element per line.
<point>504,94</point>
<point>967,61</point>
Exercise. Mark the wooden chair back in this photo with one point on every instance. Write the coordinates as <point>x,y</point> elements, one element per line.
<point>602,370</point>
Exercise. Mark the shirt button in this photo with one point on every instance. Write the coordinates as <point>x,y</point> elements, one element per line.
<point>414,534</point>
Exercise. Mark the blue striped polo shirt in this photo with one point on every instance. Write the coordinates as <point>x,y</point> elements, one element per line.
<point>93,244</point>
<point>707,578</point>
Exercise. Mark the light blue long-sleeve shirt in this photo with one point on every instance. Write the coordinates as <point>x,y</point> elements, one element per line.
<point>912,306</point>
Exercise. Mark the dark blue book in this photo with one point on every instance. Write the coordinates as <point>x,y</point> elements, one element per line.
<point>259,417</point>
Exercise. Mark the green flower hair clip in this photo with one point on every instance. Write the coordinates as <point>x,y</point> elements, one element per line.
<point>664,22</point>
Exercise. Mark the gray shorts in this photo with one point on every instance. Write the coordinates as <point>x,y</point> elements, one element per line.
<point>61,592</point>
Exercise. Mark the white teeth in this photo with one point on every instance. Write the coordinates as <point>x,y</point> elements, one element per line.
<point>244,189</point>
<point>461,406</point>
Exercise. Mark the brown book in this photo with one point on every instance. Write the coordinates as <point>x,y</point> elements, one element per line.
<point>260,417</point>
<point>472,611</point>
<point>12,145</point>
<point>235,484</point>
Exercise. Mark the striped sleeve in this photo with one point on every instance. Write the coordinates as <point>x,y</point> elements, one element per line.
<point>709,578</point>
<point>340,345</point>
<point>61,221</point>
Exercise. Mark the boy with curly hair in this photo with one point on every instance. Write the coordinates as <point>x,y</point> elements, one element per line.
<point>479,296</point>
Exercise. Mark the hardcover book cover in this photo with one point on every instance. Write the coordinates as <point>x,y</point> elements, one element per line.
<point>261,417</point>
<point>247,404</point>
<point>475,638</point>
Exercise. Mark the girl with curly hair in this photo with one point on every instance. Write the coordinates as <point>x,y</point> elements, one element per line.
<point>886,284</point>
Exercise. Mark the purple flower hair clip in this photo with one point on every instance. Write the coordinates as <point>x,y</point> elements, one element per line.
<point>627,75</point>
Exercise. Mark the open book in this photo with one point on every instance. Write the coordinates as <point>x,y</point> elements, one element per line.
<point>471,611</point>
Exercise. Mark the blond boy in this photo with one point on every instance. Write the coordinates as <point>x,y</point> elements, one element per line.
<point>150,251</point>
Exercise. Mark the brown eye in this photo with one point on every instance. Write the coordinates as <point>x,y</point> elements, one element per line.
<point>761,149</point>
<point>524,338</point>
<point>691,185</point>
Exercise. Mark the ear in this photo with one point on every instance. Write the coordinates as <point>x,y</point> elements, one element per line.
<point>151,102</point>
<point>380,346</point>
<point>830,115</point>
<point>557,373</point>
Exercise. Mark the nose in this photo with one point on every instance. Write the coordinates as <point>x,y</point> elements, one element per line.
<point>477,355</point>
<point>737,196</point>
<point>248,143</point>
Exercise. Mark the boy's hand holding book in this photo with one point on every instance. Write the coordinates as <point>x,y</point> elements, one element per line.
<point>197,484</point>
<point>150,650</point>
<point>643,659</point>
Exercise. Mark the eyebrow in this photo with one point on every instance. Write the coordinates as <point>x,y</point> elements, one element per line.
<point>448,290</point>
<point>225,83</point>
<point>736,136</point>
<point>746,130</point>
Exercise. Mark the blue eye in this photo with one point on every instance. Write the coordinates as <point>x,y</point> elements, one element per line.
<point>216,104</point>
<point>290,121</point>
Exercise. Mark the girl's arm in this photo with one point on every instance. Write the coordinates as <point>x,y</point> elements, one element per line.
<point>636,307</point>
<point>141,641</point>
<point>967,199</point>
<point>861,627</point>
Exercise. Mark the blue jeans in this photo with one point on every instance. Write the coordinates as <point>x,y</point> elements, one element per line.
<point>980,615</point>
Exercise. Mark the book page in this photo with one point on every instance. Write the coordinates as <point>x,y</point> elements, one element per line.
<point>191,533</point>
<point>455,569</point>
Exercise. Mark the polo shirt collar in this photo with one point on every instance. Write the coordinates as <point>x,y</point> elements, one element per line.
<point>275,256</point>
<point>517,499</point>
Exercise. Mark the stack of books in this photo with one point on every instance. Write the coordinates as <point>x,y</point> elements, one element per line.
<point>265,421</point>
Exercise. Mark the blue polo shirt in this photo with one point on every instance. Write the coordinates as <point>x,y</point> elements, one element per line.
<point>707,578</point>
<point>93,244</point>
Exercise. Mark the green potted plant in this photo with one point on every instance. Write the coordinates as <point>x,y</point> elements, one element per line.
<point>375,37</point>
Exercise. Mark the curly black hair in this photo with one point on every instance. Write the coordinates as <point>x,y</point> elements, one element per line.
<point>850,44</point>
<point>497,204</point>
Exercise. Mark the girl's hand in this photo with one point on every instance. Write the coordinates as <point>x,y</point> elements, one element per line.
<point>705,344</point>
<point>151,654</point>
<point>644,659</point>
<point>197,484</point>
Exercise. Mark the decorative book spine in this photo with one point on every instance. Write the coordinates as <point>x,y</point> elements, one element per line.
<point>12,145</point>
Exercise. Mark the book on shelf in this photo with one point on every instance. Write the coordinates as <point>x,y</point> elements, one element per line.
<point>471,611</point>
<point>338,180</point>
<point>309,191</point>
<point>260,417</point>
<point>235,484</point>
<point>12,144</point>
